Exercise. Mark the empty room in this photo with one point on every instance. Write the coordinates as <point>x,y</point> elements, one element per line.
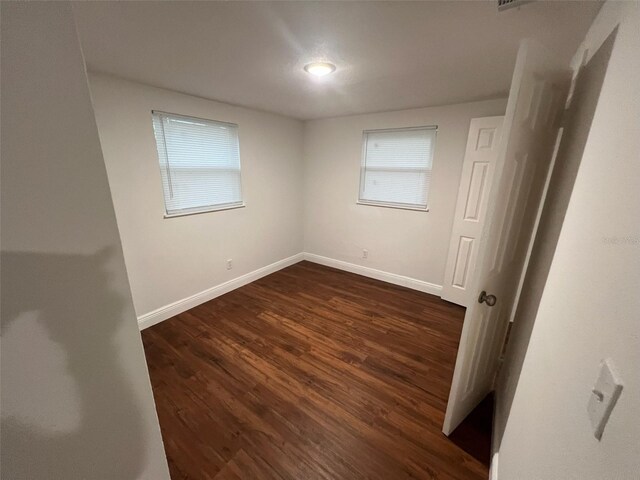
<point>325,240</point>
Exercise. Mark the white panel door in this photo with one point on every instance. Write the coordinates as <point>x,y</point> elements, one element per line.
<point>529,131</point>
<point>471,208</point>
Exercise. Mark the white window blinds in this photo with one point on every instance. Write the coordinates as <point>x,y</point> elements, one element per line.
<point>396,167</point>
<point>199,163</point>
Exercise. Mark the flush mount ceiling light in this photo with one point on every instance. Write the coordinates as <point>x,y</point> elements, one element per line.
<point>319,69</point>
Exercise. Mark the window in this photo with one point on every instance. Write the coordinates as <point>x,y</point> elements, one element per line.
<point>199,163</point>
<point>396,167</point>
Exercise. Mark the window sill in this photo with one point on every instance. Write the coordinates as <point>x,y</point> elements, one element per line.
<point>208,210</point>
<point>398,207</point>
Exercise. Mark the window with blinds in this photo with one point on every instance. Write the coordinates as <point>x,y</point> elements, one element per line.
<point>396,167</point>
<point>199,164</point>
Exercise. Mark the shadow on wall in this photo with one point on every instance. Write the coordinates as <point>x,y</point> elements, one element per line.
<point>72,303</point>
<point>574,137</point>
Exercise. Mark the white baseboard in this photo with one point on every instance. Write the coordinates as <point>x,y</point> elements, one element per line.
<point>172,309</point>
<point>401,280</point>
<point>495,447</point>
<point>493,469</point>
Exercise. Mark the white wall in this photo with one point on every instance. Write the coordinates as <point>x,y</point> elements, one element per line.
<point>403,242</point>
<point>76,398</point>
<point>285,165</point>
<point>589,308</point>
<point>171,259</point>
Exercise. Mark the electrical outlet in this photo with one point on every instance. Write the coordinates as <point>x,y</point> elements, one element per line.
<point>229,264</point>
<point>365,253</point>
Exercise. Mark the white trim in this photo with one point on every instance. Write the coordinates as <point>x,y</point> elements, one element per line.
<point>493,468</point>
<point>495,447</point>
<point>401,129</point>
<point>172,309</point>
<point>394,278</point>
<point>197,210</point>
<point>392,205</point>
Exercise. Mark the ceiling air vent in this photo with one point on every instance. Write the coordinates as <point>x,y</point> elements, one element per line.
<point>504,4</point>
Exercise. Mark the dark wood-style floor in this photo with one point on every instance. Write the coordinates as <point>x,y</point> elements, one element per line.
<point>309,373</point>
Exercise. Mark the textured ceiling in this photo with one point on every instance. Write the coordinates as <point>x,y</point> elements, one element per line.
<point>390,55</point>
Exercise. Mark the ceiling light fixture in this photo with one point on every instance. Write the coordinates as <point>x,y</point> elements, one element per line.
<point>320,69</point>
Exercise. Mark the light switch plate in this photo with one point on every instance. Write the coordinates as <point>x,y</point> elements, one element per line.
<point>604,396</point>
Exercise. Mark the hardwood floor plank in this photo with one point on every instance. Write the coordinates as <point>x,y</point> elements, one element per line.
<point>309,373</point>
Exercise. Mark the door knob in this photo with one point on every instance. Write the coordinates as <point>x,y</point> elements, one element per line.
<point>488,299</point>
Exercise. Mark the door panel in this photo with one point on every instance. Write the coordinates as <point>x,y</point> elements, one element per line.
<point>471,207</point>
<point>476,190</point>
<point>531,122</point>
<point>461,269</point>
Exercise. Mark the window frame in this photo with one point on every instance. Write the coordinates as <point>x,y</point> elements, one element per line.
<point>363,168</point>
<point>207,208</point>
